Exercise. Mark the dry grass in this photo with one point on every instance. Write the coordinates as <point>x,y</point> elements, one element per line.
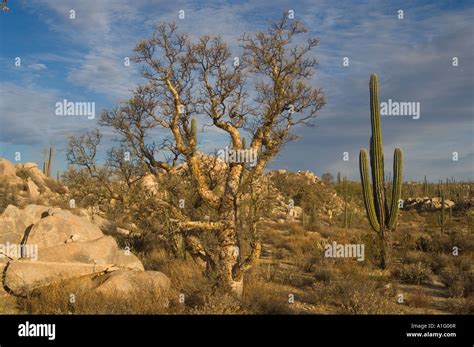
<point>57,299</point>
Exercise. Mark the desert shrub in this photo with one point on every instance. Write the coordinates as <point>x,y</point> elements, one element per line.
<point>281,253</point>
<point>326,233</point>
<point>415,273</point>
<point>463,241</point>
<point>416,257</point>
<point>55,186</point>
<point>417,299</point>
<point>293,278</point>
<point>186,277</point>
<point>423,243</point>
<point>438,262</point>
<point>352,290</point>
<point>460,305</point>
<point>23,173</point>
<point>87,191</point>
<point>8,195</point>
<point>359,295</point>
<point>362,302</point>
<point>323,275</point>
<point>260,297</point>
<point>219,303</point>
<point>446,242</point>
<point>458,278</point>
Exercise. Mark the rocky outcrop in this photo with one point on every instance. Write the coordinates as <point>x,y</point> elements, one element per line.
<point>426,204</point>
<point>282,209</point>
<point>8,171</point>
<point>28,183</point>
<point>32,172</point>
<point>56,246</point>
<point>127,282</point>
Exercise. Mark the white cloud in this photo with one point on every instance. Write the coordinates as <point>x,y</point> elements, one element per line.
<point>37,67</point>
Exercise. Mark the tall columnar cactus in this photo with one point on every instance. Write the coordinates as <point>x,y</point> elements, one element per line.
<point>48,161</point>
<point>441,214</point>
<point>425,187</point>
<point>382,218</point>
<point>313,217</point>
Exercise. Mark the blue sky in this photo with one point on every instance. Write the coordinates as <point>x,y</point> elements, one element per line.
<point>81,59</point>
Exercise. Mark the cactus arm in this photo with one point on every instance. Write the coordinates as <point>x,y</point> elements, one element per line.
<point>396,186</point>
<point>367,190</point>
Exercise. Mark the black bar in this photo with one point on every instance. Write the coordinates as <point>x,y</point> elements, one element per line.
<point>311,330</point>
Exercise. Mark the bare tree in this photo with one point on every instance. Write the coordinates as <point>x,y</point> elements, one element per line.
<point>260,96</point>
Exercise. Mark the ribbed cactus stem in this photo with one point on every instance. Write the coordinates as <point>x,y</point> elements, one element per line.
<point>367,190</point>
<point>50,161</point>
<point>44,160</point>
<point>441,214</point>
<point>396,187</point>
<point>376,151</point>
<point>244,143</point>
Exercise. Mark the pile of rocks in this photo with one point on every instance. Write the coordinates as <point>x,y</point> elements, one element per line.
<point>427,204</point>
<point>27,180</point>
<point>40,246</point>
<point>329,204</point>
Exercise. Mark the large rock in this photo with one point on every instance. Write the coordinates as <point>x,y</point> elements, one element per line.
<point>8,172</point>
<point>15,222</point>
<point>7,169</point>
<point>100,251</point>
<point>23,276</point>
<point>69,248</point>
<point>59,228</point>
<point>32,188</point>
<point>108,227</point>
<point>127,282</point>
